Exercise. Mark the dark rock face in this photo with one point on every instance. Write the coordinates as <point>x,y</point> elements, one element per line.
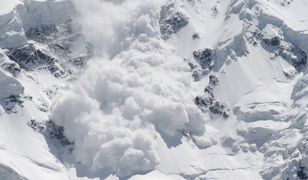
<point>297,57</point>
<point>41,33</point>
<point>301,173</point>
<point>60,40</point>
<point>57,132</point>
<point>292,54</point>
<point>203,64</point>
<point>57,37</point>
<point>204,101</point>
<point>286,3</point>
<point>275,41</point>
<point>290,74</point>
<point>212,83</point>
<point>30,57</point>
<point>207,101</point>
<point>12,68</point>
<point>213,80</point>
<point>195,36</point>
<point>12,101</point>
<point>171,22</point>
<point>197,75</point>
<point>286,50</point>
<point>219,108</point>
<point>51,48</point>
<point>50,129</point>
<point>197,72</point>
<point>205,58</point>
<point>36,126</point>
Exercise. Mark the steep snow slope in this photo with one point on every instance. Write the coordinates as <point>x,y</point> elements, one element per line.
<point>37,57</point>
<point>179,89</point>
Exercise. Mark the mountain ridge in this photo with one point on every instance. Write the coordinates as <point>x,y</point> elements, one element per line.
<point>179,89</point>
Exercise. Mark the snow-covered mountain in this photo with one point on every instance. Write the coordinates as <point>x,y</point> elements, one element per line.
<point>144,89</point>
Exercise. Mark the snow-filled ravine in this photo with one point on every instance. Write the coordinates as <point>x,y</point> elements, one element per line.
<point>153,89</point>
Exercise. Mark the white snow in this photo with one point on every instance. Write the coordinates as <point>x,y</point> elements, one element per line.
<point>143,90</point>
<point>131,113</point>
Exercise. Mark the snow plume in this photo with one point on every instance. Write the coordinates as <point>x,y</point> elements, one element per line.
<point>122,104</point>
<point>110,25</point>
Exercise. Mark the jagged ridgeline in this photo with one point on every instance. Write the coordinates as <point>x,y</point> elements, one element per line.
<point>243,52</point>
<point>40,49</point>
<point>40,37</point>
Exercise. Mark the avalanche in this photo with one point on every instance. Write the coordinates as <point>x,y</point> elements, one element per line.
<point>143,89</point>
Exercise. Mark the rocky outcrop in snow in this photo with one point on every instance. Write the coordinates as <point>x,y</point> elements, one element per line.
<point>11,92</point>
<point>208,102</point>
<point>171,21</point>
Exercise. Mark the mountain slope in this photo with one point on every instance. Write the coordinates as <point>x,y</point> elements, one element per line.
<point>142,89</point>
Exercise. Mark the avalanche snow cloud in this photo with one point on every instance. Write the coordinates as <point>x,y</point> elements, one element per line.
<point>153,89</point>
<point>135,92</point>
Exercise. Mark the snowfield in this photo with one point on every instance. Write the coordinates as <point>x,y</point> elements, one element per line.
<point>143,89</point>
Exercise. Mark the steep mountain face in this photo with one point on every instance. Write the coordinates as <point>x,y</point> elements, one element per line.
<point>143,89</point>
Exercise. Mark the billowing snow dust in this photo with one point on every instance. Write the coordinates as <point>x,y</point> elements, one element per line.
<point>153,89</point>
